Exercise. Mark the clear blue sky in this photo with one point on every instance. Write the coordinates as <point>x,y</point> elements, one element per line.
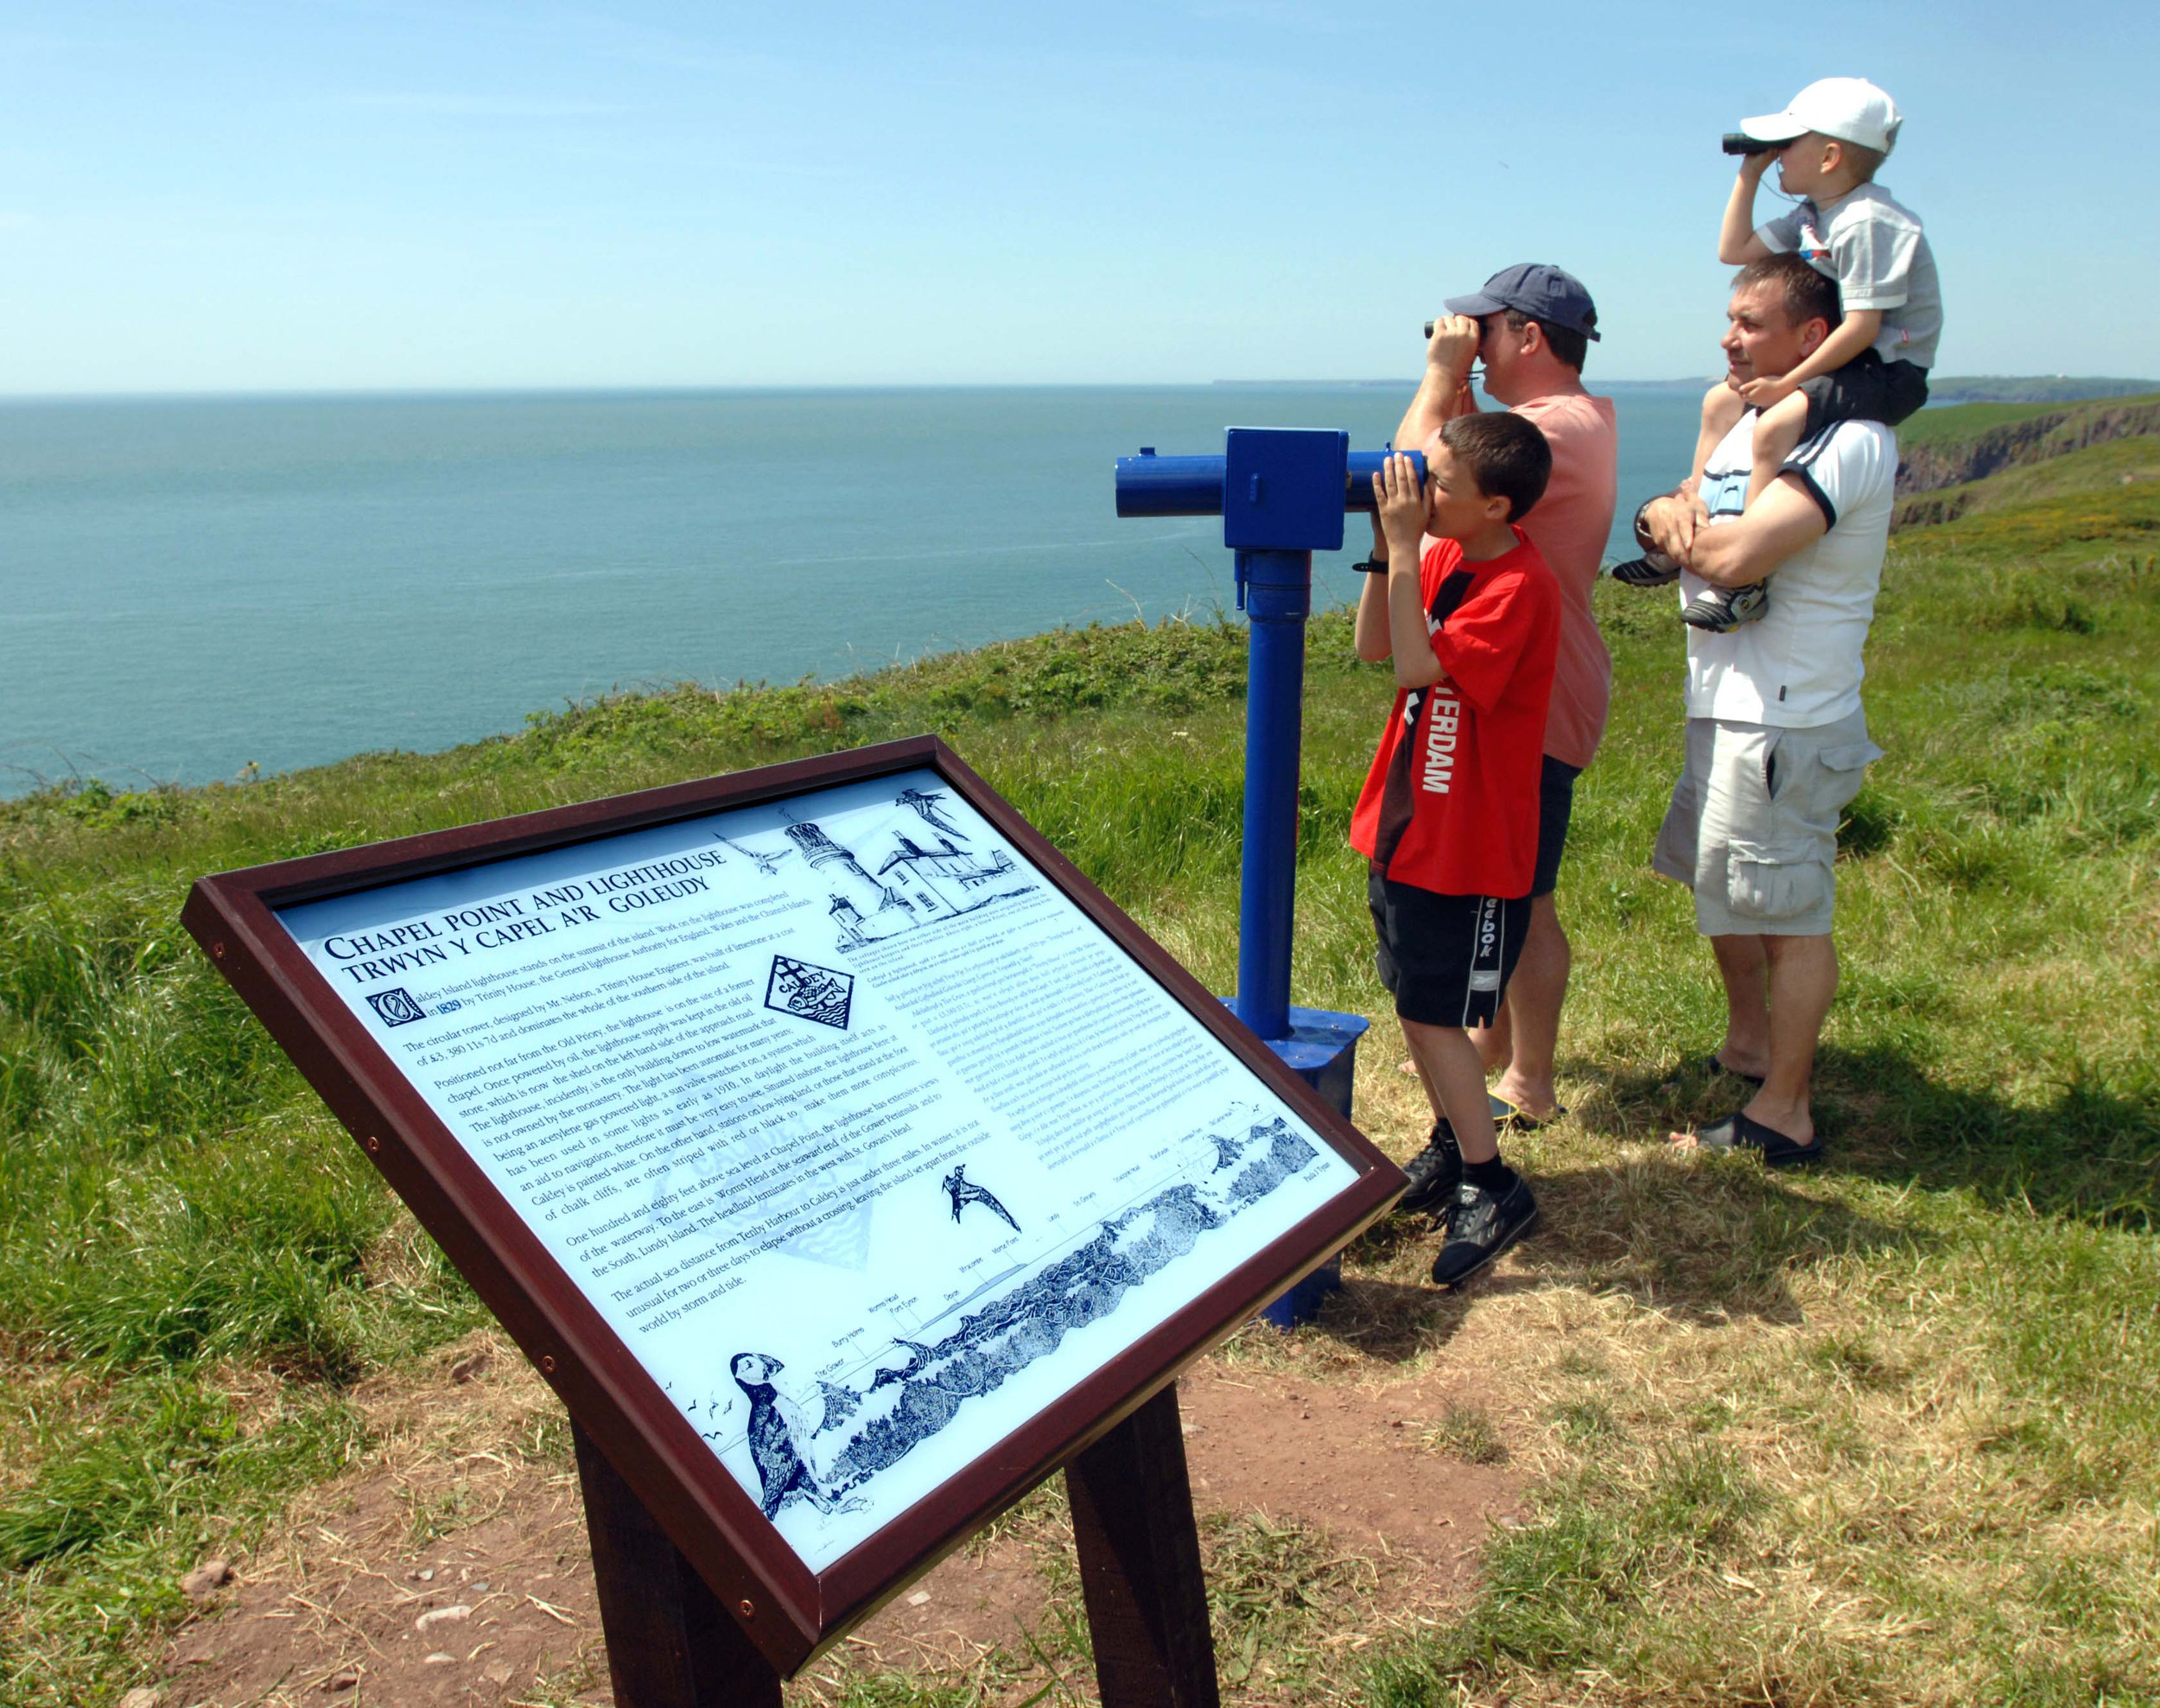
<point>294,194</point>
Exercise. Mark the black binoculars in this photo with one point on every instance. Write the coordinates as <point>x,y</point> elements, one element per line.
<point>1738,141</point>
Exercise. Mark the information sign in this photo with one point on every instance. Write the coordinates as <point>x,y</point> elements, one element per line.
<point>844,1157</point>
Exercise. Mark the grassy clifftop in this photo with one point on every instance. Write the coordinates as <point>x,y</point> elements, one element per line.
<point>1950,447</point>
<point>1890,1434</point>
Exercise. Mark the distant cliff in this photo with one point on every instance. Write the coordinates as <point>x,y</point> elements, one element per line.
<point>1930,467</point>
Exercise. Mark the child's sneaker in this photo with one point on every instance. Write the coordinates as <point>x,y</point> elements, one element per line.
<point>1652,569</point>
<point>1434,1174</point>
<point>1719,611</point>
<point>1485,1223</point>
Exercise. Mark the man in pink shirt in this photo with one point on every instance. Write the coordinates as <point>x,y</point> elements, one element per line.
<point>1531,325</point>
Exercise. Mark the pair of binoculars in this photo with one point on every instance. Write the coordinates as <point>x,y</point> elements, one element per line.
<point>1738,141</point>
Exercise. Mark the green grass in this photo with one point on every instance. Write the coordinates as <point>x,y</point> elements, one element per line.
<point>1890,1434</point>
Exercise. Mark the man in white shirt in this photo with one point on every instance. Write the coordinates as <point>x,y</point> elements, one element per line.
<point>1777,743</point>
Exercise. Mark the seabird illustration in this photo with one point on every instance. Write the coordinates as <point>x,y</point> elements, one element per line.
<point>925,801</point>
<point>782,1471</point>
<point>767,864</point>
<point>965,1191</point>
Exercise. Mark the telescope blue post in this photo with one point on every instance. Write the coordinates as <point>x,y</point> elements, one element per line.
<point>1282,494</point>
<point>1278,590</point>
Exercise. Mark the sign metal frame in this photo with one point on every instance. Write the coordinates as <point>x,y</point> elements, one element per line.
<point>787,1611</point>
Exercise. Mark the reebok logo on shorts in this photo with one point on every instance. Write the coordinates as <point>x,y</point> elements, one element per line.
<point>1484,954</point>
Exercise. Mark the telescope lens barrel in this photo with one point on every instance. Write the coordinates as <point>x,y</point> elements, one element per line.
<point>1153,485</point>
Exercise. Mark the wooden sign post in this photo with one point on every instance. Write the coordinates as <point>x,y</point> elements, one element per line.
<point>845,1161</point>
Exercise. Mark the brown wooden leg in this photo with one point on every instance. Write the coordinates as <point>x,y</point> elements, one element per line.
<point>1139,1564</point>
<point>670,1642</point>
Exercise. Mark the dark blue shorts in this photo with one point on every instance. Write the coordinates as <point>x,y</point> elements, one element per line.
<point>1556,805</point>
<point>1867,388</point>
<point>1446,960</point>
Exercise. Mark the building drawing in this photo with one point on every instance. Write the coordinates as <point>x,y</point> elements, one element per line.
<point>914,886</point>
<point>944,881</point>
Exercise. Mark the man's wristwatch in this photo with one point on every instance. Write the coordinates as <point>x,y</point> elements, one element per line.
<point>1371,566</point>
<point>1643,536</point>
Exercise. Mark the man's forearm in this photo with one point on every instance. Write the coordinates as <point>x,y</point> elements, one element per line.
<point>1748,548</point>
<point>1435,405</point>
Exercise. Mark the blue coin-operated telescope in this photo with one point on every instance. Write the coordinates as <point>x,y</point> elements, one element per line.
<point>1282,494</point>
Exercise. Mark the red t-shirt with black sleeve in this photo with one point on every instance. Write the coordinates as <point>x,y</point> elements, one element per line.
<point>1451,803</point>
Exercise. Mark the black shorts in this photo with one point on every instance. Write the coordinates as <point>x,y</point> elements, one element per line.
<point>1556,804</point>
<point>1446,960</point>
<point>1867,388</point>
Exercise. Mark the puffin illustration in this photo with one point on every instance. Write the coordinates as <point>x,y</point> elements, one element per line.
<point>782,1471</point>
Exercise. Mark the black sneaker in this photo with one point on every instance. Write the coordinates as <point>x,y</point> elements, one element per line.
<point>1485,1223</point>
<point>1722,610</point>
<point>1435,1173</point>
<point>1652,569</point>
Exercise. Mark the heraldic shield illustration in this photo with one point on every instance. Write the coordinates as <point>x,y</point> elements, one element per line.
<point>816,993</point>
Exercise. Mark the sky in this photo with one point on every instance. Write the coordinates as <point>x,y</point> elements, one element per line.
<point>302,196</point>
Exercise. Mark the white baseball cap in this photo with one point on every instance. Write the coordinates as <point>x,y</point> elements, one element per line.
<point>1849,108</point>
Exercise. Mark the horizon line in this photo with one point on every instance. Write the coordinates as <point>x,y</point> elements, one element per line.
<point>538,390</point>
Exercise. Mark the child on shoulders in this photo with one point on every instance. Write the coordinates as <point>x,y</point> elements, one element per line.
<point>1828,144</point>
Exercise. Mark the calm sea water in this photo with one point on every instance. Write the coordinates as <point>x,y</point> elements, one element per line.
<point>187,586</point>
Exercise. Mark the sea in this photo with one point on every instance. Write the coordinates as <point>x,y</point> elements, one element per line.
<point>200,588</point>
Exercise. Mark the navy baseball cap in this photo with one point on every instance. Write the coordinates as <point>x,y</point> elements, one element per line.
<point>1541,292</point>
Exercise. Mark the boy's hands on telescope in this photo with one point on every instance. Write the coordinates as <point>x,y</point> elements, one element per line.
<point>1398,513</point>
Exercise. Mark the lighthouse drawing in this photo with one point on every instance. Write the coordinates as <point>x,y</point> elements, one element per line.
<point>913,885</point>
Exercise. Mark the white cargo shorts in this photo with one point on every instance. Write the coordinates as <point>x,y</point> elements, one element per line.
<point>1753,826</point>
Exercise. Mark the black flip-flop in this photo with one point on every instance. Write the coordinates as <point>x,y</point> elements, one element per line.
<point>1737,1132</point>
<point>1513,1117</point>
<point>1717,1066</point>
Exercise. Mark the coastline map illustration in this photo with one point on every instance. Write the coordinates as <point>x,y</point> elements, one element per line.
<point>909,1395</point>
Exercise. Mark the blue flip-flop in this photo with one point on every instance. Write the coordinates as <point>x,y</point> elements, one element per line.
<point>1737,1132</point>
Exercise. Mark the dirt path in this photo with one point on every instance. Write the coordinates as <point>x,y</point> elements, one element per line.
<point>451,1568</point>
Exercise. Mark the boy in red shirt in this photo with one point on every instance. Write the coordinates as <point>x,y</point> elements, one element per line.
<point>1449,814</point>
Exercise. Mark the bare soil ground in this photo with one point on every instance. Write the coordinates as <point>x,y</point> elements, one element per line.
<point>450,1566</point>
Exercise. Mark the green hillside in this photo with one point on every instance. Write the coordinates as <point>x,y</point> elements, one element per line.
<point>1889,1434</point>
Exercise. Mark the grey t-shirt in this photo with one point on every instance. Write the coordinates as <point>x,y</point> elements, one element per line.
<point>1878,255</point>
